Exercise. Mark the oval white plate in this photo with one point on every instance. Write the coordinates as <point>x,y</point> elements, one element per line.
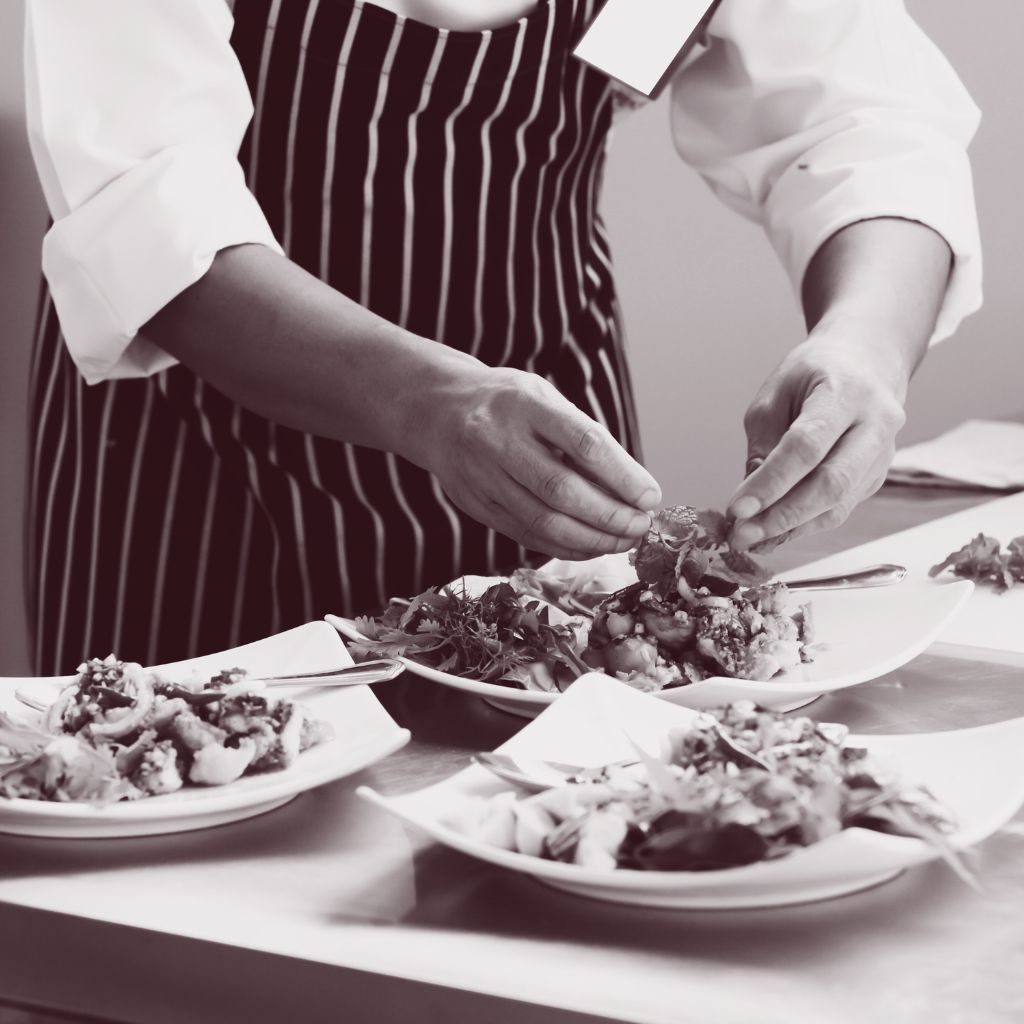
<point>977,773</point>
<point>863,635</point>
<point>363,733</point>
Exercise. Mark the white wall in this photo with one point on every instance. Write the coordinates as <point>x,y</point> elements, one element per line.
<point>707,308</point>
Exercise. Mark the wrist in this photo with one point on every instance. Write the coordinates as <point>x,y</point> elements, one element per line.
<point>879,341</point>
<point>437,382</point>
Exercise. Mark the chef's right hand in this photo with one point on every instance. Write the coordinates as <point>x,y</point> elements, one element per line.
<point>517,456</point>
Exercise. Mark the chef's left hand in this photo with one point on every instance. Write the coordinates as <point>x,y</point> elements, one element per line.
<point>820,434</point>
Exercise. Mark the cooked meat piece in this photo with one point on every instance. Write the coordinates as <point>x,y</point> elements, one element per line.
<point>158,771</point>
<point>287,739</point>
<point>215,765</point>
<point>242,713</point>
<point>193,733</point>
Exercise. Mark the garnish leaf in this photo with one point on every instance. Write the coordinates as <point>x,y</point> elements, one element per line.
<point>493,637</point>
<point>982,559</point>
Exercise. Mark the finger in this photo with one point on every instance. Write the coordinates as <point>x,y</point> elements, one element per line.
<point>828,493</point>
<point>798,452</point>
<point>826,521</point>
<point>561,487</point>
<point>514,511</point>
<point>816,525</point>
<point>600,457</point>
<point>765,422</point>
<point>496,500</point>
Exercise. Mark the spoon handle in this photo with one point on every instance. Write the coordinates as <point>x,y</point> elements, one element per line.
<point>361,674</point>
<point>377,671</point>
<point>536,775</point>
<point>872,576</point>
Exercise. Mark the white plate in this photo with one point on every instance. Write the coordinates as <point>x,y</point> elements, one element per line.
<point>864,634</point>
<point>363,734</point>
<point>977,773</point>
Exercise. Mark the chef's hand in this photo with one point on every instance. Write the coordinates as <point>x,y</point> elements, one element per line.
<point>820,435</point>
<point>517,456</point>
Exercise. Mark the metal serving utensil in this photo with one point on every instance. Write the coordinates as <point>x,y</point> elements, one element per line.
<point>534,774</point>
<point>363,673</point>
<point>872,576</point>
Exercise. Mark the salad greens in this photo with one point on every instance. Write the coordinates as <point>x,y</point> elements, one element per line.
<point>693,545</point>
<point>40,765</point>
<point>982,559</point>
<point>496,636</point>
<point>738,786</point>
<point>698,609</point>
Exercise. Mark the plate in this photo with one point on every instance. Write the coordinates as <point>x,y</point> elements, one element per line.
<point>363,733</point>
<point>593,724</point>
<point>863,635</point>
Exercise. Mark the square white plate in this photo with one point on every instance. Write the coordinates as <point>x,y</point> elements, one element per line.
<point>860,635</point>
<point>363,733</point>
<point>977,773</point>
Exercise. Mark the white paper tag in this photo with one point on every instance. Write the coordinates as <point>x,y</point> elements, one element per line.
<point>642,42</point>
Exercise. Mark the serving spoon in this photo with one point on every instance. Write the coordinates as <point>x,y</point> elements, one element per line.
<point>363,673</point>
<point>872,576</point>
<point>535,774</point>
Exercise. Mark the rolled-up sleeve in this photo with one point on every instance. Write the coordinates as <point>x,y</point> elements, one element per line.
<point>809,116</point>
<point>136,110</point>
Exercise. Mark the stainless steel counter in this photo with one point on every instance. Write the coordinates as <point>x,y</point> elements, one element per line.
<point>326,909</point>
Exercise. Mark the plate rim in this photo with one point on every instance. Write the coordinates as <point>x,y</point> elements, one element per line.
<point>901,852</point>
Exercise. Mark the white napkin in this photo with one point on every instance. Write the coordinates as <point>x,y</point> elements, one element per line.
<point>978,453</point>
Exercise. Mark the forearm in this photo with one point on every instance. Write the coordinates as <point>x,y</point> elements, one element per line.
<point>885,279</point>
<point>505,446</point>
<point>285,345</point>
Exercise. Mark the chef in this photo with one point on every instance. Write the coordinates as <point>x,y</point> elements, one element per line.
<point>329,312</point>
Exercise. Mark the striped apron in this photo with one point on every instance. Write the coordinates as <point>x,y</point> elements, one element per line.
<point>446,180</point>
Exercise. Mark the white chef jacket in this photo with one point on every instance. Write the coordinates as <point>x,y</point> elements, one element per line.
<point>804,115</point>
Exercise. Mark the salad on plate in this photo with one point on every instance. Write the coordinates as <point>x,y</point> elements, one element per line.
<point>120,732</point>
<point>737,786</point>
<point>689,608</point>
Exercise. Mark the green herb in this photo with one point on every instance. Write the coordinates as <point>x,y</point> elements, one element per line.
<point>40,766</point>
<point>982,559</point>
<point>693,545</point>
<point>498,636</point>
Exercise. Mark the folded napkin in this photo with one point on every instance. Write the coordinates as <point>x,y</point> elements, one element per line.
<point>978,453</point>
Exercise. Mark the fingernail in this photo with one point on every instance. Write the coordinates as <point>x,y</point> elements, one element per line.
<point>650,499</point>
<point>745,507</point>
<point>747,535</point>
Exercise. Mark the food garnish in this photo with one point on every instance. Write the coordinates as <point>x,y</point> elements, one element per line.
<point>983,559</point>
<point>121,732</point>
<point>497,636</point>
<point>738,786</point>
<point>698,609</point>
